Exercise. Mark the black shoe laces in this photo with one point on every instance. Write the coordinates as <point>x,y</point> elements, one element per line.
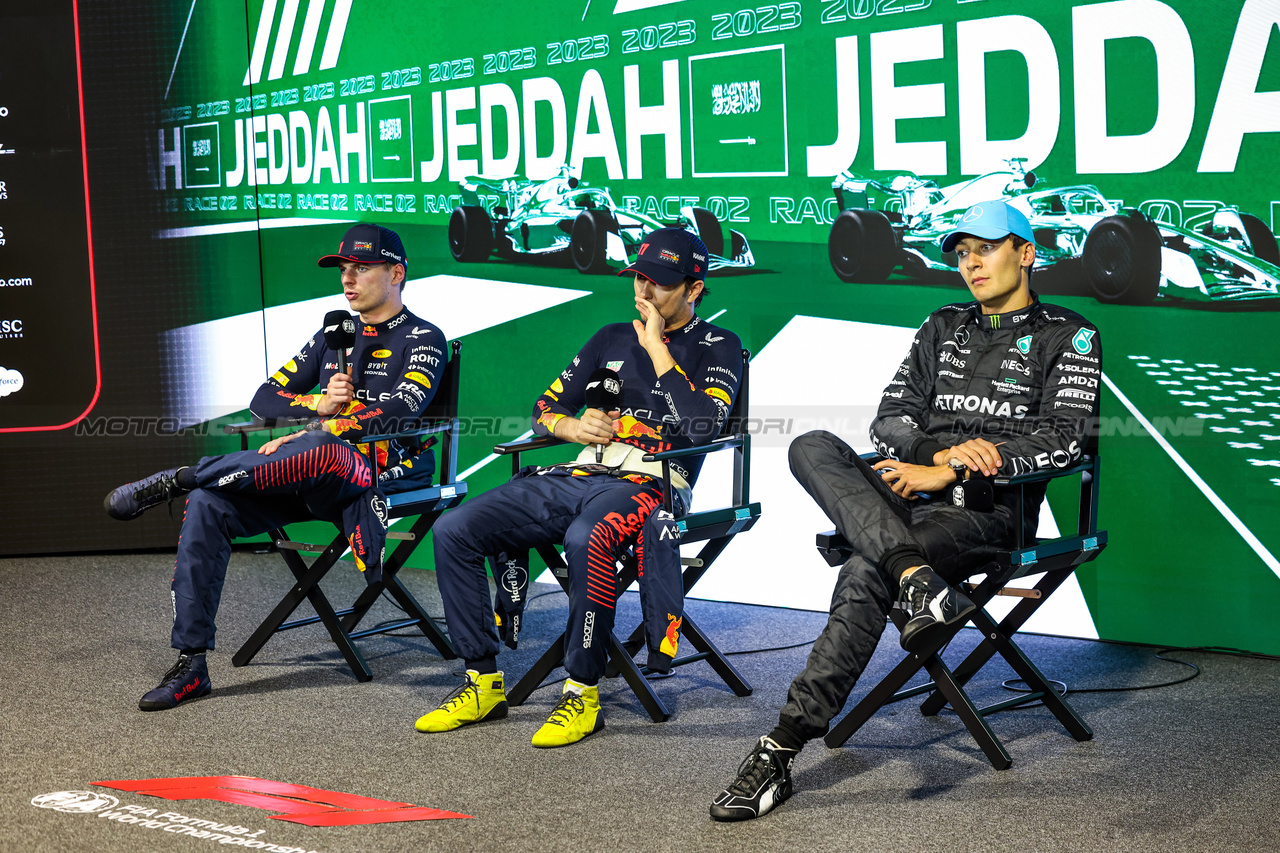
<point>178,670</point>
<point>469,689</point>
<point>567,709</point>
<point>164,488</point>
<point>760,765</point>
<point>913,595</point>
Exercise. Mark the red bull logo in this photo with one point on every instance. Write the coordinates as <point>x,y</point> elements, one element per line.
<point>628,427</point>
<point>671,641</point>
<point>309,401</point>
<point>629,525</point>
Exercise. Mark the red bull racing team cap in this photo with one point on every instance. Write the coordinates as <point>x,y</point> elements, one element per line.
<point>989,220</point>
<point>367,243</point>
<point>670,255</point>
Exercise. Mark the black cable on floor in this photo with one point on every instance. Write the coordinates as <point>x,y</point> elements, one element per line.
<point>1061,688</point>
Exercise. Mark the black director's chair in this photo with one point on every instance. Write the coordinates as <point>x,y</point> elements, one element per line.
<point>1056,558</point>
<point>440,418</point>
<point>715,527</point>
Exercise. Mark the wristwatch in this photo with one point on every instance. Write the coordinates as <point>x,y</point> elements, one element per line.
<point>959,468</point>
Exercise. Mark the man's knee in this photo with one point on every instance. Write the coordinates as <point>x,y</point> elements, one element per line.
<point>802,449</point>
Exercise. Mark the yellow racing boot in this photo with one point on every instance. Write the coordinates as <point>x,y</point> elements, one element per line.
<point>481,699</point>
<point>576,715</point>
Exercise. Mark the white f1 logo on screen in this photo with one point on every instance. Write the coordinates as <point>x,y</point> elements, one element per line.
<point>307,45</point>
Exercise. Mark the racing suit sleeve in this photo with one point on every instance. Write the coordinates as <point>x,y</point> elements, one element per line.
<point>1058,434</point>
<point>567,393</point>
<point>702,398</point>
<point>896,432</point>
<point>287,392</point>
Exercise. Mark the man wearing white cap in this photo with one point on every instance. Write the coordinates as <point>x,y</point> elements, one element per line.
<point>1001,385</point>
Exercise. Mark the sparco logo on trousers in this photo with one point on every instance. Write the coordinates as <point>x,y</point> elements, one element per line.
<point>588,628</point>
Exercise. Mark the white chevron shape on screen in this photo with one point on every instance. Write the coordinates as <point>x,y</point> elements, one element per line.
<point>306,44</point>
<point>632,5</point>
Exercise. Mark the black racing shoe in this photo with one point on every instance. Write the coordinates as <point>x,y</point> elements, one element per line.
<point>932,606</point>
<point>188,679</point>
<point>763,783</point>
<point>133,499</point>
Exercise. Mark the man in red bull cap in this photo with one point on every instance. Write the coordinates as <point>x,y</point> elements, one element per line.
<point>678,378</point>
<point>1000,385</point>
<point>392,372</point>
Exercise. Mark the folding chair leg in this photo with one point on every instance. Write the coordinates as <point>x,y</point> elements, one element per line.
<point>1038,684</point>
<point>728,674</point>
<point>426,624</point>
<point>307,578</point>
<point>1008,626</point>
<point>882,694</point>
<point>639,684</point>
<point>532,680</point>
<point>969,713</point>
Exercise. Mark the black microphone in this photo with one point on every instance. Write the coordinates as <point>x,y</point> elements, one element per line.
<point>604,392</point>
<point>340,334</point>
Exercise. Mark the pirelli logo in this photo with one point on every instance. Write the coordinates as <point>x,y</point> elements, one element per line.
<point>283,29</point>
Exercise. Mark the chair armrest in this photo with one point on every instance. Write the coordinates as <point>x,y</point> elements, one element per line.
<point>717,444</point>
<point>417,432</point>
<point>259,426</point>
<point>1084,465</point>
<point>535,443</point>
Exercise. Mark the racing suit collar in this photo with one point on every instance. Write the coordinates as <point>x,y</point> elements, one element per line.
<point>693,323</point>
<point>1008,320</point>
<point>399,319</point>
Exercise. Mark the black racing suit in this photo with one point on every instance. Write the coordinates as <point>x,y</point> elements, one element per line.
<point>598,516</point>
<point>397,367</point>
<point>1027,381</point>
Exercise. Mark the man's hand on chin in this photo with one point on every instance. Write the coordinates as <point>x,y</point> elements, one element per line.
<point>649,334</point>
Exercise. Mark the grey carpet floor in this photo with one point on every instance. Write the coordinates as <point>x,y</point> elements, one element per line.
<point>1189,767</point>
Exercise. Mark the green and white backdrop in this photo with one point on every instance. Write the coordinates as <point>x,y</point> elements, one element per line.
<point>284,120</point>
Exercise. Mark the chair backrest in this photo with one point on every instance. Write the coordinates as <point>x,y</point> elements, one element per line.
<point>736,423</point>
<point>443,409</point>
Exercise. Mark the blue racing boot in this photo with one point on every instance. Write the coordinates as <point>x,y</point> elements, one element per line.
<point>188,679</point>
<point>133,499</point>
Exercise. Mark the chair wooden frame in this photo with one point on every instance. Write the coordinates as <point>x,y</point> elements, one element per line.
<point>1056,558</point>
<point>716,528</point>
<point>440,418</point>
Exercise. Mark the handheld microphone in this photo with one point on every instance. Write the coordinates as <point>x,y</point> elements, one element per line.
<point>604,392</point>
<point>340,334</point>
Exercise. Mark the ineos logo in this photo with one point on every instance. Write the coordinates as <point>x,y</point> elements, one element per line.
<point>75,802</point>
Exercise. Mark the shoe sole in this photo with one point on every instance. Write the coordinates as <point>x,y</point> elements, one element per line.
<point>723,815</point>
<point>497,712</point>
<point>599,728</point>
<point>144,705</point>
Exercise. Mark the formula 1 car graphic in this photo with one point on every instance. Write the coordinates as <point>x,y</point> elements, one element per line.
<point>897,221</point>
<point>563,216</point>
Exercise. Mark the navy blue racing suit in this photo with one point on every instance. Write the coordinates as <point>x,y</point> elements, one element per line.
<point>396,367</point>
<point>1027,380</point>
<point>597,515</point>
